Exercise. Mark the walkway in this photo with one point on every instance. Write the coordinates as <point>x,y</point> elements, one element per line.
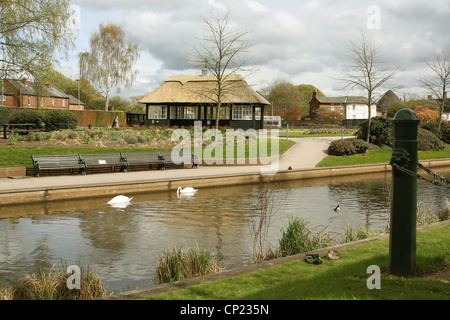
<point>305,154</point>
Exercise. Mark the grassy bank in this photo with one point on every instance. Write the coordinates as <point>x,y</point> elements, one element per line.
<point>376,156</point>
<point>344,279</point>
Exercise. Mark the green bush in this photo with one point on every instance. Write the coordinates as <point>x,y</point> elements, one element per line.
<point>444,134</point>
<point>427,141</point>
<point>381,131</point>
<point>346,147</point>
<point>60,119</point>
<point>5,115</point>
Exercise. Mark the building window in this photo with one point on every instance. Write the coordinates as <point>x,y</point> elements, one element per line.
<point>53,102</point>
<point>29,100</point>
<point>182,113</point>
<point>223,115</point>
<point>64,103</point>
<point>242,113</point>
<point>258,113</point>
<point>157,112</point>
<point>42,101</point>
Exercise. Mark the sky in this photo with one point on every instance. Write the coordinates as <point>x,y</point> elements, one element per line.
<point>298,41</point>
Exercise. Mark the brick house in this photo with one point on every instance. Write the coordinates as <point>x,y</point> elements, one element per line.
<point>26,93</point>
<point>350,108</point>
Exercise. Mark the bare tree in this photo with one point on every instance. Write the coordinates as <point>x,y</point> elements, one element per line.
<point>438,81</point>
<point>110,61</point>
<point>366,72</point>
<point>220,54</point>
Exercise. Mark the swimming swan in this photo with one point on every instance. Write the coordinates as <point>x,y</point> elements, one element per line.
<point>187,190</point>
<point>119,200</point>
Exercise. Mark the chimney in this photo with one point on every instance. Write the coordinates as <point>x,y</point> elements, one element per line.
<point>314,96</point>
<point>25,81</point>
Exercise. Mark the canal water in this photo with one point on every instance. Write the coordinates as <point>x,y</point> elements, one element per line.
<point>123,244</point>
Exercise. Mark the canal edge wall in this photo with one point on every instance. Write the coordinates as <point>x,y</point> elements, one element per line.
<point>92,190</point>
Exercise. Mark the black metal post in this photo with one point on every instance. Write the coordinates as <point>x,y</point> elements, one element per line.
<point>403,225</point>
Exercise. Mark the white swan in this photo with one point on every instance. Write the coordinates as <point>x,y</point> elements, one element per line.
<point>119,200</point>
<point>186,191</point>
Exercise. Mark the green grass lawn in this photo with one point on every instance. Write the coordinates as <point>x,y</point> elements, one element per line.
<point>15,156</point>
<point>376,156</point>
<point>343,279</point>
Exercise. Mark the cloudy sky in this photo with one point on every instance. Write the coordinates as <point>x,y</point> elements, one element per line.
<point>300,41</point>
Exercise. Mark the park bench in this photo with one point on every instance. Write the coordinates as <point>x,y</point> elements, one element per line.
<point>52,163</point>
<point>102,162</point>
<point>21,128</point>
<point>170,163</point>
<point>144,160</point>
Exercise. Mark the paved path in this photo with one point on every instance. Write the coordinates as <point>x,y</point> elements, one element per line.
<point>305,154</point>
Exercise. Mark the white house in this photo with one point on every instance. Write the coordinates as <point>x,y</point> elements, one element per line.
<point>352,108</point>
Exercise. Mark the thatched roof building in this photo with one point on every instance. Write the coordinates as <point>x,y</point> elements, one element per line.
<point>181,100</point>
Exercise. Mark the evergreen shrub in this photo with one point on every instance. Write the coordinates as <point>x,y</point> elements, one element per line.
<point>346,147</point>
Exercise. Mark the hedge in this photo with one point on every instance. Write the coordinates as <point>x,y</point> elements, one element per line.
<point>97,118</point>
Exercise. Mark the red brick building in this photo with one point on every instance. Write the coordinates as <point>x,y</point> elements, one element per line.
<point>24,93</point>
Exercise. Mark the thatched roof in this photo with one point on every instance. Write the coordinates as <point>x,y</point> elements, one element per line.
<point>388,99</point>
<point>200,90</point>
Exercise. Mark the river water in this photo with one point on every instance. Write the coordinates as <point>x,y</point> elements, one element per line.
<point>123,244</point>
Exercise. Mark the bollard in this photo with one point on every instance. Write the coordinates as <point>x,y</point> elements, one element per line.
<point>403,225</point>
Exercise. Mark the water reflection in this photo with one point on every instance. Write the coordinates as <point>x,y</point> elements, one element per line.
<point>122,244</point>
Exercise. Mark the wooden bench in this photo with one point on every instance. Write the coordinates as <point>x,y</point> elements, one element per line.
<point>101,162</point>
<point>58,162</point>
<point>21,128</point>
<point>147,160</point>
<point>170,163</point>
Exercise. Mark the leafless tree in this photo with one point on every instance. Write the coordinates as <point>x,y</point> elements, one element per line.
<point>110,60</point>
<point>366,72</point>
<point>438,81</point>
<point>220,54</point>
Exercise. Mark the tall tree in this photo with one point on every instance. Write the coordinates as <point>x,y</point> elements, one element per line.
<point>438,82</point>
<point>110,61</point>
<point>290,101</point>
<point>33,35</point>
<point>220,53</point>
<point>366,72</point>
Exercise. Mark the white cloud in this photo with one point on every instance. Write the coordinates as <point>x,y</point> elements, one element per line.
<point>299,41</point>
<point>256,6</point>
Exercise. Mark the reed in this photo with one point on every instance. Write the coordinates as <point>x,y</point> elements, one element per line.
<point>362,232</point>
<point>52,285</point>
<point>297,238</point>
<point>178,264</point>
